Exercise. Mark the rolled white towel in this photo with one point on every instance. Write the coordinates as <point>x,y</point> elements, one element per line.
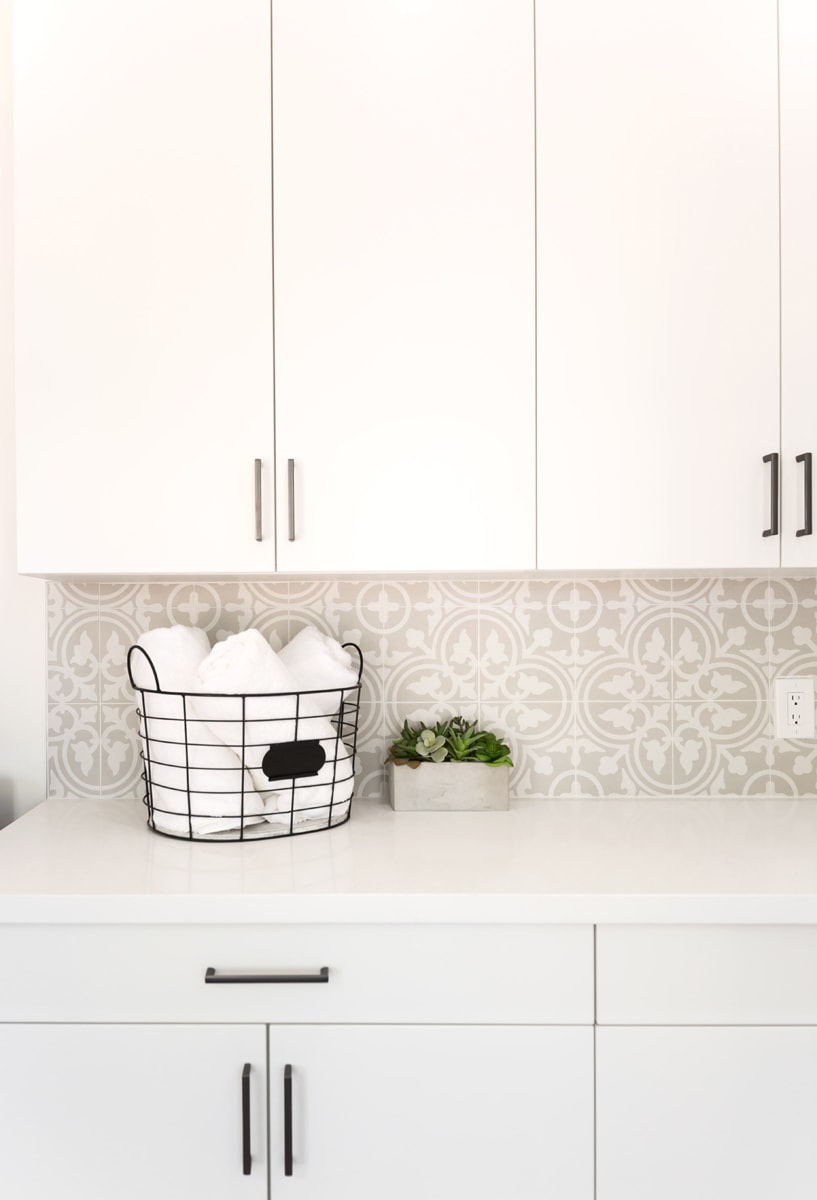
<point>176,652</point>
<point>253,703</point>
<point>243,664</point>
<point>195,782</point>
<point>319,664</point>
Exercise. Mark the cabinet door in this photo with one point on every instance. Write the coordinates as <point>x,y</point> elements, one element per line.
<point>129,1111</point>
<point>143,285</point>
<point>404,284</point>
<point>407,1111</point>
<point>713,1113</point>
<point>798,194</point>
<point>658,321</point>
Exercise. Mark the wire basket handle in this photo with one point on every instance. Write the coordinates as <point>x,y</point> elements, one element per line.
<point>354,646</point>
<point>149,661</point>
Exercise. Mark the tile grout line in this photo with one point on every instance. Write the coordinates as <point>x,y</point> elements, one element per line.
<point>382,735</point>
<point>671,652</point>
<point>574,692</point>
<point>769,706</point>
<point>99,688</point>
<point>480,714</point>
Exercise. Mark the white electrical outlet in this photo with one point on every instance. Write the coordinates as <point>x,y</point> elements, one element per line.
<point>794,707</point>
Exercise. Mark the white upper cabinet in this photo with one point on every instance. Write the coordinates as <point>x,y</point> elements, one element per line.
<point>143,285</point>
<point>427,283</point>
<point>658,306</point>
<point>404,284</point>
<point>798,191</point>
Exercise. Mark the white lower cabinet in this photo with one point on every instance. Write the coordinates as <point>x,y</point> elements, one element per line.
<point>706,1062</point>
<point>710,1113</point>
<point>434,1061</point>
<point>129,1111</point>
<point>97,1112</point>
<point>435,1111</point>
<point>430,1061</point>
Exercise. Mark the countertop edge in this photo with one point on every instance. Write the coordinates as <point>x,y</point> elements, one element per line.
<point>378,909</point>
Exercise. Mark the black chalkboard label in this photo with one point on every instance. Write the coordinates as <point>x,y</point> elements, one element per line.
<point>293,760</point>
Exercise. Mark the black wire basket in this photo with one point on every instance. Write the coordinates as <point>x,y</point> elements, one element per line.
<point>234,768</point>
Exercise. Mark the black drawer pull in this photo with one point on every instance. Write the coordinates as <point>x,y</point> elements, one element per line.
<point>321,976</point>
<point>807,530</point>
<point>245,1119</point>
<point>288,1119</point>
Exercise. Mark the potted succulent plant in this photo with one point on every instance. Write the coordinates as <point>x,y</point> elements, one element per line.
<point>423,764</point>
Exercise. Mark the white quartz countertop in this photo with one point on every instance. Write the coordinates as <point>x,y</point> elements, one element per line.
<point>544,860</point>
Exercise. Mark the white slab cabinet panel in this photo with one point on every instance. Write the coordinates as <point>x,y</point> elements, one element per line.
<point>706,1054</point>
<point>714,1113</point>
<point>706,975</point>
<point>143,302</point>
<point>524,974</point>
<point>658,322</point>
<point>436,1111</point>
<point>88,1111</point>
<point>798,195</point>
<point>404,284</point>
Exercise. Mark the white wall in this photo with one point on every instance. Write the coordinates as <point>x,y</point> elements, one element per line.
<point>22,601</point>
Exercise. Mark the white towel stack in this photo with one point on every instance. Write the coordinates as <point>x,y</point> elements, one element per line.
<point>234,703</point>
<point>256,698</point>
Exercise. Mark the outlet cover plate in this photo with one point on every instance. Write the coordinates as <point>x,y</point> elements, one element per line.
<point>794,707</point>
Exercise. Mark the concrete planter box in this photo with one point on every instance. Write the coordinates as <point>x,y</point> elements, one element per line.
<point>457,787</point>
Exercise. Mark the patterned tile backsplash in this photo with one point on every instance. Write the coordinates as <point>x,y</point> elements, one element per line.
<point>615,687</point>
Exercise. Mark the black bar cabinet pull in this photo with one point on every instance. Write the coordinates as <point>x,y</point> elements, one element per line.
<point>245,1119</point>
<point>291,499</point>
<point>807,530</point>
<point>321,976</point>
<point>258,523</point>
<point>288,1119</point>
<point>774,495</point>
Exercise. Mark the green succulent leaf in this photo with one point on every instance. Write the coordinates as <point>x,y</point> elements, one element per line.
<point>431,745</point>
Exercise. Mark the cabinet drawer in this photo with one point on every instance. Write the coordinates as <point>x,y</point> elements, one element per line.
<point>707,975</point>
<point>407,973</point>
